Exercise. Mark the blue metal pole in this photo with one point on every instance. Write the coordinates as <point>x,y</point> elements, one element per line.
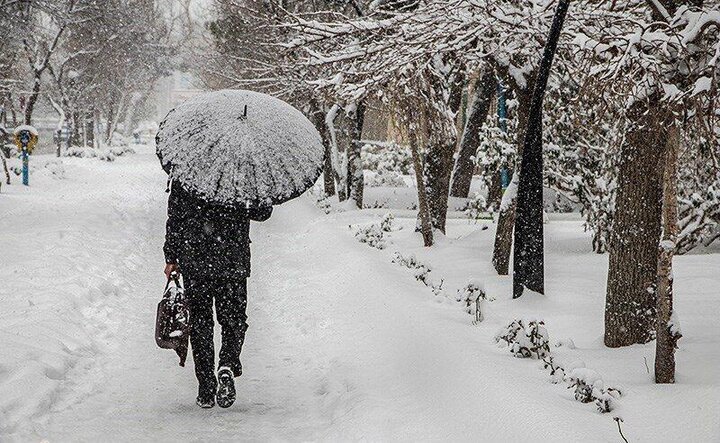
<point>502,108</point>
<point>25,168</point>
<point>502,123</point>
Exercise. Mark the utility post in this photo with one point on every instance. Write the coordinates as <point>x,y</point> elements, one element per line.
<point>26,138</point>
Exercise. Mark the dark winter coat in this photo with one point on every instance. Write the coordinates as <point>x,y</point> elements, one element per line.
<point>208,239</point>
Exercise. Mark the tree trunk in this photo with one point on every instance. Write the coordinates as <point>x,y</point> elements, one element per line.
<point>97,136</point>
<point>630,308</point>
<point>438,167</point>
<point>5,168</point>
<point>318,119</point>
<point>470,141</point>
<point>32,99</point>
<point>355,178</point>
<point>89,127</point>
<point>338,169</point>
<point>423,205</point>
<point>529,258</point>
<point>506,215</point>
<point>76,133</point>
<point>495,191</point>
<point>668,331</point>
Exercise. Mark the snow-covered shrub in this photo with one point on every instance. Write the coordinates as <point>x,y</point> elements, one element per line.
<point>526,341</point>
<point>567,343</point>
<point>86,152</point>
<point>323,203</point>
<point>590,387</point>
<point>388,157</point>
<point>475,207</point>
<point>386,224</point>
<point>118,140</point>
<point>384,178</point>
<point>121,150</point>
<point>421,271</point>
<point>372,235</point>
<point>473,295</point>
<point>533,341</point>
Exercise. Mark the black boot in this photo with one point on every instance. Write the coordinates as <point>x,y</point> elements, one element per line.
<point>205,398</point>
<point>226,387</point>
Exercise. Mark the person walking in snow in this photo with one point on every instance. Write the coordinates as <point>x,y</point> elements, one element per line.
<point>230,156</point>
<point>209,244</point>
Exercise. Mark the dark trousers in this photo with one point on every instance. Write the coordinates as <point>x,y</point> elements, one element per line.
<point>230,303</point>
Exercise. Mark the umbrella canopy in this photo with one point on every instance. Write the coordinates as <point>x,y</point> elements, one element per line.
<point>240,147</point>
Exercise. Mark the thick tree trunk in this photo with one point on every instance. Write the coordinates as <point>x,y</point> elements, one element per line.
<point>76,134</point>
<point>424,216</point>
<point>470,141</point>
<point>668,331</point>
<point>438,167</point>
<point>495,191</point>
<point>506,215</point>
<point>630,308</point>
<point>355,179</point>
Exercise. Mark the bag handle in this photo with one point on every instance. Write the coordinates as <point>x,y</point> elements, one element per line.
<point>174,277</point>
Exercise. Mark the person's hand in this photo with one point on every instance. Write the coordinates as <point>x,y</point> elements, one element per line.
<point>170,268</point>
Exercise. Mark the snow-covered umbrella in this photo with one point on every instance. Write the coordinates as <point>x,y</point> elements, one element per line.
<point>240,147</point>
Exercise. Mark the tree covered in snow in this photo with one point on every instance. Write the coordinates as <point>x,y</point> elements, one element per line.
<point>423,54</point>
<point>90,60</point>
<point>657,60</point>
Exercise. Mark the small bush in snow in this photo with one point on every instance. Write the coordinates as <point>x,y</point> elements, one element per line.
<point>121,150</point>
<point>526,341</point>
<point>421,271</point>
<point>384,178</point>
<point>386,224</point>
<point>85,152</point>
<point>476,207</point>
<point>387,157</point>
<point>589,387</point>
<point>324,203</point>
<point>473,295</point>
<point>372,235</point>
<point>532,341</point>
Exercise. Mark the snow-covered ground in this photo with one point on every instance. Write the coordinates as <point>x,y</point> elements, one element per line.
<point>343,344</point>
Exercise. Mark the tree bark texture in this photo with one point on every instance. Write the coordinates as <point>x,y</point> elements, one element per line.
<point>356,179</point>
<point>424,216</point>
<point>506,216</point>
<point>438,167</point>
<point>470,141</point>
<point>33,97</point>
<point>318,119</point>
<point>630,308</point>
<point>668,333</point>
<point>529,258</point>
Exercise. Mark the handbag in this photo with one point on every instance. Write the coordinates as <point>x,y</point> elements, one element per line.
<point>172,321</point>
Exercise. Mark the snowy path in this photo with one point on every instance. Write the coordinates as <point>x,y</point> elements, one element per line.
<point>342,345</point>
